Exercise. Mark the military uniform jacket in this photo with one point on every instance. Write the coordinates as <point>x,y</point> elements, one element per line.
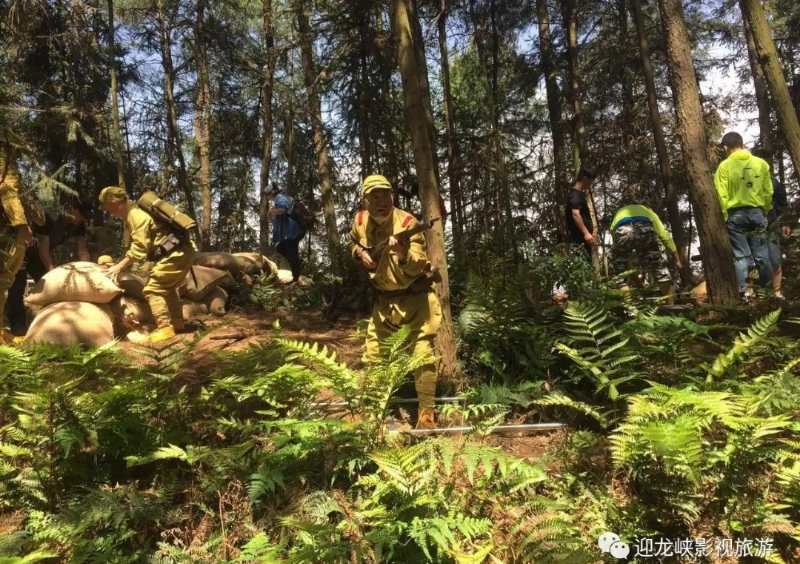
<point>146,234</point>
<point>13,213</point>
<point>392,274</point>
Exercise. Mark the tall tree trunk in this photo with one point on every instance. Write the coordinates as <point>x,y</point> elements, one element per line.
<point>754,16</point>
<point>501,216</point>
<point>669,189</point>
<point>266,123</point>
<point>174,142</point>
<point>569,15</point>
<point>761,90</point>
<point>550,71</point>
<point>324,172</point>
<point>453,162</point>
<point>714,244</point>
<point>363,88</point>
<point>624,79</point>
<point>116,130</point>
<point>202,123</point>
<point>420,121</point>
<point>288,144</point>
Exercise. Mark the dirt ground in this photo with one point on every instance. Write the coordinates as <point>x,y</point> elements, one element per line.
<point>194,354</point>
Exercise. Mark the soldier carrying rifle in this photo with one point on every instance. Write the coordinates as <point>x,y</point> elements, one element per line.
<point>390,245</point>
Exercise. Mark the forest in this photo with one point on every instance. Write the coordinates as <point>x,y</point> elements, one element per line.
<point>522,379</point>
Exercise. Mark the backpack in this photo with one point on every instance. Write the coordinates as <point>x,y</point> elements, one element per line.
<point>302,215</point>
<point>166,213</point>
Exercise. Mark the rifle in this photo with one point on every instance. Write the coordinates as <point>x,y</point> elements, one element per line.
<point>376,251</point>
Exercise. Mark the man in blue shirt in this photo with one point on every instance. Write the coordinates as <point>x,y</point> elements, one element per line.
<point>287,231</point>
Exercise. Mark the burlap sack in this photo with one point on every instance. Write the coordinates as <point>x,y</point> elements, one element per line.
<point>72,323</point>
<point>135,313</point>
<point>201,280</point>
<point>250,263</point>
<point>220,261</point>
<point>279,266</point>
<point>131,284</point>
<point>217,301</point>
<point>74,282</point>
<point>192,310</point>
<point>700,293</point>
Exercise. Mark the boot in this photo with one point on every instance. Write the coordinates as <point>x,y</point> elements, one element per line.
<point>159,335</point>
<point>426,418</point>
<point>6,337</point>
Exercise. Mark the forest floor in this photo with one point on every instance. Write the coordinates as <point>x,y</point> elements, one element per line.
<point>194,355</point>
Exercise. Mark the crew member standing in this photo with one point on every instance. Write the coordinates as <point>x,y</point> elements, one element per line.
<point>579,219</point>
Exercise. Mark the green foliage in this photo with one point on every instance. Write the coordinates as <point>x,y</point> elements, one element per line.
<point>725,362</point>
<point>598,348</point>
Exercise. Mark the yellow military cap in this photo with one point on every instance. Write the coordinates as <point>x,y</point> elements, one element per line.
<point>374,182</point>
<point>111,193</point>
<point>105,260</point>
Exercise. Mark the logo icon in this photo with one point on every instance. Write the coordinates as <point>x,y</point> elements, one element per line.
<point>610,543</point>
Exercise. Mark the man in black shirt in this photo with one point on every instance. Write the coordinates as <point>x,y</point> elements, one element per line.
<point>777,225</point>
<point>579,220</point>
<point>56,230</point>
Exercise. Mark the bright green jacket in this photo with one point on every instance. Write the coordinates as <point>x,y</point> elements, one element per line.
<point>635,212</point>
<point>743,180</point>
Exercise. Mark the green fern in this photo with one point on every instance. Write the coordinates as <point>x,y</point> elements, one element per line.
<point>742,345</point>
<point>557,399</point>
<point>598,349</point>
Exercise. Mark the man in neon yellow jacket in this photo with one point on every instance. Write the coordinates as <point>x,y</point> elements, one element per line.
<point>637,231</point>
<point>744,187</point>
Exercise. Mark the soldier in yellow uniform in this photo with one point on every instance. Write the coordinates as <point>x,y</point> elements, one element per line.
<point>404,295</point>
<point>15,233</point>
<point>148,238</point>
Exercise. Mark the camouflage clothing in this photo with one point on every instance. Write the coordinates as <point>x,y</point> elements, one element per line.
<point>12,215</point>
<point>637,246</point>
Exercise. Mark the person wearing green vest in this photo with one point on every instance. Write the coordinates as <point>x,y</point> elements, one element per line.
<point>639,235</point>
<point>744,187</point>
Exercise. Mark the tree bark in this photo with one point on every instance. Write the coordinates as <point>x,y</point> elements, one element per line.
<point>453,163</point>
<point>202,123</point>
<point>714,243</point>
<point>420,121</point>
<point>753,13</point>
<point>174,142</point>
<point>266,123</point>
<point>578,129</point>
<point>323,164</point>
<point>550,71</point>
<point>363,85</point>
<point>669,189</point>
<point>761,90</point>
<point>116,130</point>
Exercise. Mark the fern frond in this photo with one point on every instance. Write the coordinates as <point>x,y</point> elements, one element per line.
<point>742,345</point>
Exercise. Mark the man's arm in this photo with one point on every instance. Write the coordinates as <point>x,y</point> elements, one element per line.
<point>83,249</point>
<point>767,188</point>
<point>578,219</point>
<point>43,249</point>
<point>721,184</point>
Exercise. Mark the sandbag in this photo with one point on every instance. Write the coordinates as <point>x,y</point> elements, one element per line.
<point>72,323</point>
<point>285,276</point>
<point>131,284</point>
<point>700,293</point>
<point>220,261</point>
<point>200,280</point>
<point>74,282</point>
<point>135,312</point>
<point>192,310</point>
<point>216,301</point>
<point>249,263</point>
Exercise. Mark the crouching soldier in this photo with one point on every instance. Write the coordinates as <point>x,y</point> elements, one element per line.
<point>402,282</point>
<point>639,236</point>
<point>171,254</point>
<point>15,233</point>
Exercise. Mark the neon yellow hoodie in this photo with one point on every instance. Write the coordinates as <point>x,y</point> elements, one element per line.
<point>635,212</point>
<point>743,180</point>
